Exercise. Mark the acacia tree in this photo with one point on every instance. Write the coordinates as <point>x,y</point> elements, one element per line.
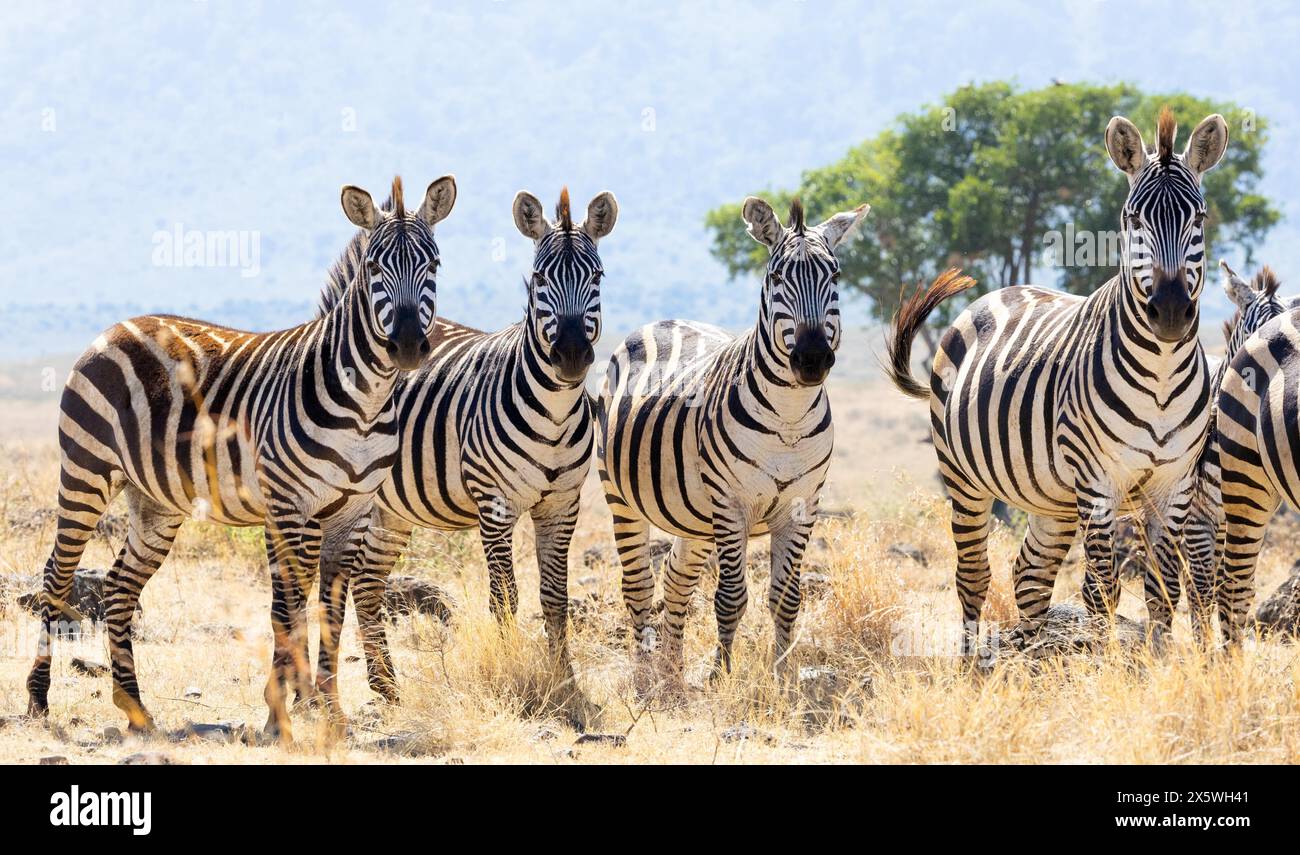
<point>992,179</point>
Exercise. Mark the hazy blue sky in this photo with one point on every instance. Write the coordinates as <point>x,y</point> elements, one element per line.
<point>120,120</point>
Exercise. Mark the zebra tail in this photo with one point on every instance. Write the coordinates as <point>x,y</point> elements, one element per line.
<point>909,319</point>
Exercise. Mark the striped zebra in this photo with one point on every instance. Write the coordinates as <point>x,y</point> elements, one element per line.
<point>715,439</point>
<point>1079,409</point>
<point>1257,303</point>
<point>496,426</point>
<point>292,430</point>
<point>1258,429</point>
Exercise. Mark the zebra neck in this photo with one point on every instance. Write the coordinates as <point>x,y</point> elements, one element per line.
<point>351,365</point>
<point>771,384</point>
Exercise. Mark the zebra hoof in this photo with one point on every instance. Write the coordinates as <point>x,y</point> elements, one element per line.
<point>721,665</point>
<point>1157,638</point>
<point>644,676</point>
<point>277,729</point>
<point>147,728</point>
<point>38,708</point>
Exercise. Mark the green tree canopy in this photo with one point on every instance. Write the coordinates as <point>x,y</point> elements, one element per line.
<point>982,180</point>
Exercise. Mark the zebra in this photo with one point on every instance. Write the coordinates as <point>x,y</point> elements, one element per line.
<point>496,426</point>
<point>292,430</point>
<point>1257,303</point>
<point>1079,409</point>
<point>1259,455</point>
<point>714,439</point>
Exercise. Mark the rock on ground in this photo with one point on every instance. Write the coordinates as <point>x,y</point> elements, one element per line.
<point>1280,613</point>
<point>406,595</point>
<point>87,596</point>
<point>1070,628</point>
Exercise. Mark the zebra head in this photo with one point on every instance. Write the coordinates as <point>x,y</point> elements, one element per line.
<point>400,266</point>
<point>1163,225</point>
<point>1257,303</point>
<point>799,321</point>
<point>564,289</point>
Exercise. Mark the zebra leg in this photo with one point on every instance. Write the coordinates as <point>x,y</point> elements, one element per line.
<point>1220,604</point>
<point>1100,576</point>
<point>632,540</point>
<point>730,536</point>
<point>789,540</point>
<point>1202,535</point>
<point>149,539</point>
<point>293,552</point>
<point>381,546</point>
<point>1163,579</point>
<point>496,526</point>
<point>971,515</point>
<point>1246,523</point>
<point>1045,546</point>
<point>686,564</point>
<point>337,558</point>
<point>553,530</point>
<point>83,497</point>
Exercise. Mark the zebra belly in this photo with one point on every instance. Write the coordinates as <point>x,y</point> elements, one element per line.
<point>432,486</point>
<point>1009,453</point>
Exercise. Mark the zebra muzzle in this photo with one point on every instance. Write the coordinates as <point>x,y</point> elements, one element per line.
<point>408,345</point>
<point>811,357</point>
<point>571,353</point>
<point>1170,309</point>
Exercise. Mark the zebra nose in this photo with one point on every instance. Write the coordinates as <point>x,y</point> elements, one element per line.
<point>571,352</point>
<point>812,357</point>
<point>408,345</point>
<point>1170,311</point>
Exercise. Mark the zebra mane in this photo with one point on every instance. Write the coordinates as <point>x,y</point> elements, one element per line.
<point>1166,128</point>
<point>796,216</point>
<point>1229,327</point>
<point>562,214</point>
<point>395,198</point>
<point>344,270</point>
<point>1266,282</point>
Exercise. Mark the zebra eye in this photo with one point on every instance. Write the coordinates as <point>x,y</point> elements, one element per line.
<point>1134,221</point>
<point>372,267</point>
<point>1199,219</point>
<point>776,277</point>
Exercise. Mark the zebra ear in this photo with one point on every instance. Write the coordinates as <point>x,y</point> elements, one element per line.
<point>359,208</point>
<point>841,225</point>
<point>1124,143</point>
<point>1206,145</point>
<point>530,219</point>
<point>602,213</point>
<point>764,227</point>
<point>1237,289</point>
<point>438,200</point>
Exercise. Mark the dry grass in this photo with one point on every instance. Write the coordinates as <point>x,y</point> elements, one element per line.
<point>473,693</point>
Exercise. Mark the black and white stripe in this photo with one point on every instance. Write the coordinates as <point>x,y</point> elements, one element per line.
<point>1257,304</point>
<point>495,427</point>
<point>714,439</point>
<point>1259,453</point>
<point>1077,410</point>
<point>293,430</point>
